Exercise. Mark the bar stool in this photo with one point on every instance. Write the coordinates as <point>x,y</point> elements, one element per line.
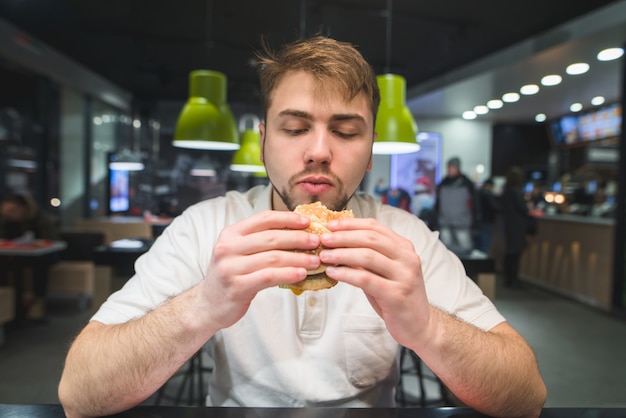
<point>415,369</point>
<point>191,377</point>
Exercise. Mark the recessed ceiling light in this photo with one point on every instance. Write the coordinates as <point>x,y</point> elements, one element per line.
<point>577,68</point>
<point>495,104</point>
<point>610,54</point>
<point>510,97</point>
<point>551,80</point>
<point>469,115</point>
<point>529,89</point>
<point>481,110</point>
<point>576,107</point>
<point>540,117</point>
<point>597,101</point>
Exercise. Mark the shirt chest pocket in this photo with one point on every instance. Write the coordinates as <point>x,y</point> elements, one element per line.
<point>370,352</point>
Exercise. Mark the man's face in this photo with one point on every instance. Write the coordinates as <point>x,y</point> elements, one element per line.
<point>13,212</point>
<point>315,147</point>
<point>453,171</point>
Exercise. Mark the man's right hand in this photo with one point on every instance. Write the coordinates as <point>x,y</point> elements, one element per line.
<point>254,254</point>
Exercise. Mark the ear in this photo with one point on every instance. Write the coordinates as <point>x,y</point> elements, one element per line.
<point>262,135</point>
<point>371,161</point>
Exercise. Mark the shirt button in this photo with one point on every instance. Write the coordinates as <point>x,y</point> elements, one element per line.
<point>312,302</point>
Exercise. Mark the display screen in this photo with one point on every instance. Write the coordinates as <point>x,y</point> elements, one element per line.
<point>602,123</point>
<point>118,191</point>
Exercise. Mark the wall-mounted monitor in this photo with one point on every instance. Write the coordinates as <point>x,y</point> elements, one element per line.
<point>604,122</point>
<point>119,186</point>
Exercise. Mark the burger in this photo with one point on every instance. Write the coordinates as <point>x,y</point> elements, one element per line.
<point>320,215</point>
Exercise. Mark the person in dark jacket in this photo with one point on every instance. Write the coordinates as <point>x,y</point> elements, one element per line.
<point>515,215</point>
<point>457,209</point>
<point>490,208</point>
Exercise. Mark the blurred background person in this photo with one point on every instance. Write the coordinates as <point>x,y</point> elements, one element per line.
<point>515,214</point>
<point>490,207</point>
<point>397,197</point>
<point>22,220</point>
<point>457,209</point>
<point>423,202</point>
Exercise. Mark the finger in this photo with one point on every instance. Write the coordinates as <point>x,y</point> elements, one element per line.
<point>272,277</point>
<point>368,234</point>
<point>245,265</point>
<point>284,239</point>
<point>270,219</point>
<point>360,258</point>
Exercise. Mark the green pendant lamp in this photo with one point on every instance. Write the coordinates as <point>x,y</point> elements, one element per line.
<point>248,157</point>
<point>396,128</point>
<point>206,121</point>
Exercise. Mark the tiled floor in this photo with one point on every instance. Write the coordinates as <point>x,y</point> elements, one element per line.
<point>581,351</point>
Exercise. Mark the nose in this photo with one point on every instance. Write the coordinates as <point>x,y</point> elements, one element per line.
<point>319,150</point>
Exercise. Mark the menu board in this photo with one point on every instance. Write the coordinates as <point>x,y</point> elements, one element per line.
<point>591,126</point>
<point>603,123</point>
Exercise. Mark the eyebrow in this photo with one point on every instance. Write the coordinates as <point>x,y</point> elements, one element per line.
<point>305,115</point>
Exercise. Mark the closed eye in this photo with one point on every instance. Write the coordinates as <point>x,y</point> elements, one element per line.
<point>295,132</point>
<point>344,135</point>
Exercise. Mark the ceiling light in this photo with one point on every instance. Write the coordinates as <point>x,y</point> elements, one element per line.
<point>540,117</point>
<point>551,80</point>
<point>529,89</point>
<point>597,101</point>
<point>248,157</point>
<point>206,121</point>
<point>395,126</point>
<point>481,110</point>
<point>126,160</point>
<point>610,54</point>
<point>510,97</point>
<point>576,107</point>
<point>469,115</point>
<point>495,104</point>
<point>577,68</point>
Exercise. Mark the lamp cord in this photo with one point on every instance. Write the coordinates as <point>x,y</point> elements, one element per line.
<point>388,38</point>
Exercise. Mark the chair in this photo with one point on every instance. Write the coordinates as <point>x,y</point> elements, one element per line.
<point>190,375</point>
<point>7,308</point>
<point>74,274</point>
<point>426,382</point>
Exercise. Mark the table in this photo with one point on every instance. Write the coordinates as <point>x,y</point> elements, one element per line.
<point>37,254</point>
<point>122,254</point>
<point>115,263</point>
<point>55,411</point>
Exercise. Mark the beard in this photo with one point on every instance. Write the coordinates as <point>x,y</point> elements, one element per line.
<point>337,203</point>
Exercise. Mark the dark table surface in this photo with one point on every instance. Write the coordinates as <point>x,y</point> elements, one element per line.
<point>54,411</point>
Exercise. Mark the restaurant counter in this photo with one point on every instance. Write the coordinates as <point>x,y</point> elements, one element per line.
<point>55,411</point>
<point>572,255</point>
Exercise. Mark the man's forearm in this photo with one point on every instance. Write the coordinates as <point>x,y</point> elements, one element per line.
<point>110,368</point>
<point>494,372</point>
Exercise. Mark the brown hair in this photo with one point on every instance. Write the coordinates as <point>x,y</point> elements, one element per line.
<point>337,66</point>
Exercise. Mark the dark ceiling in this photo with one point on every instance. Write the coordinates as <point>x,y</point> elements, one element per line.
<point>148,47</point>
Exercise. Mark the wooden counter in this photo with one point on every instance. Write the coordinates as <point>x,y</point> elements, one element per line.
<point>572,255</point>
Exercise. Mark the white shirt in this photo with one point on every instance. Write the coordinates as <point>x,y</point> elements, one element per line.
<point>324,348</point>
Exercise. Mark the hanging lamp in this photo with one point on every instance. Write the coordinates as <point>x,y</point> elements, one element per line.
<point>248,157</point>
<point>206,121</point>
<point>395,126</point>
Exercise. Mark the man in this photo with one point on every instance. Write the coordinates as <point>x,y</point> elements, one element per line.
<point>21,219</point>
<point>457,209</point>
<point>215,272</point>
